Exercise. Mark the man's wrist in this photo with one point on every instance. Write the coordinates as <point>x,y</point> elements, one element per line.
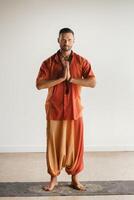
<point>69,80</point>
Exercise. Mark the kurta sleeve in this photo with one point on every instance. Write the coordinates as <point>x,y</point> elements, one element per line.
<point>43,72</point>
<point>87,70</point>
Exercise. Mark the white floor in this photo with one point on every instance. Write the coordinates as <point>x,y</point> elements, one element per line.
<point>98,166</point>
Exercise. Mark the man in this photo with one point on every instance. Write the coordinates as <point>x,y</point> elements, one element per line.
<point>63,74</point>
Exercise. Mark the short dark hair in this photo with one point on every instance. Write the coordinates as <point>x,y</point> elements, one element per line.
<point>66,30</point>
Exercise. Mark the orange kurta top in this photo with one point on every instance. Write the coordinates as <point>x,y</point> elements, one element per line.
<point>60,104</point>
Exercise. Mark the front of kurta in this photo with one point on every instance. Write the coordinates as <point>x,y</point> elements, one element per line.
<point>65,146</point>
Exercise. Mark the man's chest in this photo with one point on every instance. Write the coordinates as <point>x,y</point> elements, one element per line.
<point>57,70</point>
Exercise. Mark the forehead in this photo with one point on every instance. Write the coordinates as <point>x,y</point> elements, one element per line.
<point>66,36</point>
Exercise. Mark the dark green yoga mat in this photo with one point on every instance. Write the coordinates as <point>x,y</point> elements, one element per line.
<point>93,188</point>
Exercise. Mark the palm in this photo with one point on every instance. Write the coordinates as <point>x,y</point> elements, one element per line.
<point>68,72</point>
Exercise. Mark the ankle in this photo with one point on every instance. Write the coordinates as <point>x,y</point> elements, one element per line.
<point>74,177</point>
<point>53,177</point>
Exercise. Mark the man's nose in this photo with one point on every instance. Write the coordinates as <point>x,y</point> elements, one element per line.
<point>66,42</point>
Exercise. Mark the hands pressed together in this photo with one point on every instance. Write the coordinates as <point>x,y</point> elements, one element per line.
<point>66,72</point>
<point>87,82</point>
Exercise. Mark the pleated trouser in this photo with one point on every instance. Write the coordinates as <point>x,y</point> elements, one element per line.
<point>65,146</point>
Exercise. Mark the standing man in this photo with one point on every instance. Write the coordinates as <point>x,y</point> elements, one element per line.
<point>63,74</point>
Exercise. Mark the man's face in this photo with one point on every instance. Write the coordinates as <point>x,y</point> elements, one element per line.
<point>66,41</point>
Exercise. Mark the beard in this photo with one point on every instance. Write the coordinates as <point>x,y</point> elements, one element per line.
<point>66,48</point>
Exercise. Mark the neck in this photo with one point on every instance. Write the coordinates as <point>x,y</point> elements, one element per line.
<point>65,53</point>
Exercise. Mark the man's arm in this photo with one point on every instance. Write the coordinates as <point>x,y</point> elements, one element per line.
<point>42,84</point>
<point>87,82</point>
<point>88,78</point>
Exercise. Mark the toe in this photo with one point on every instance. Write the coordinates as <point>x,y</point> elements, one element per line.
<point>78,187</point>
<point>46,188</point>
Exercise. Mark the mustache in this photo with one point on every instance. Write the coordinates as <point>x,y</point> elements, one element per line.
<point>66,46</point>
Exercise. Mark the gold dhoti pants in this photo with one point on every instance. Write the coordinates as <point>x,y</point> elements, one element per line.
<point>65,146</point>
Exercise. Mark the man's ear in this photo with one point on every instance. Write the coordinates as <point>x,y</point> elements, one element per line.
<point>58,40</point>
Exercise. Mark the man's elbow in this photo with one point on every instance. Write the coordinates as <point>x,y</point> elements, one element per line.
<point>38,86</point>
<point>93,83</point>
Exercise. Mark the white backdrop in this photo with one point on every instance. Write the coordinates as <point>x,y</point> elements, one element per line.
<point>104,33</point>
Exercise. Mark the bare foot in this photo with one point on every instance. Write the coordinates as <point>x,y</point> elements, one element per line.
<point>76,184</point>
<point>51,185</point>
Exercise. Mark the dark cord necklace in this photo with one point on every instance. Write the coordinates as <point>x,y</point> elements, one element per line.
<point>67,58</point>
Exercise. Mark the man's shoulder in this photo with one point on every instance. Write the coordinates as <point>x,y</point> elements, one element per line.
<point>49,59</point>
<point>80,58</point>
